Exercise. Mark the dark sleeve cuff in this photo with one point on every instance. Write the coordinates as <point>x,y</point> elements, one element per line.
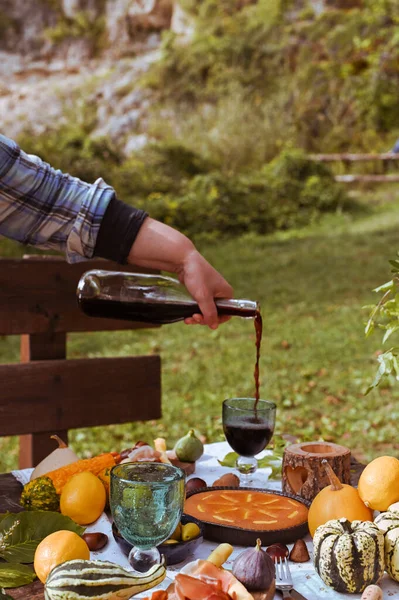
<point>118,231</point>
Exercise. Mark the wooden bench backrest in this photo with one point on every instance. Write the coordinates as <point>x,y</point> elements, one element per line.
<point>46,393</point>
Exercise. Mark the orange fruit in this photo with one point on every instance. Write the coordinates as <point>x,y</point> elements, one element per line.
<point>379,483</point>
<point>56,548</point>
<point>83,498</point>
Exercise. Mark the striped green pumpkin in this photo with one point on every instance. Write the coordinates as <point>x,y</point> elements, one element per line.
<point>388,523</point>
<point>349,556</point>
<point>98,580</point>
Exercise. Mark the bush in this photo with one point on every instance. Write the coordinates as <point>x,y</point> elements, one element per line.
<point>178,186</point>
<point>291,191</point>
<point>337,73</point>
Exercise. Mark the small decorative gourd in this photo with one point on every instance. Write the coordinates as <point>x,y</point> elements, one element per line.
<point>388,523</point>
<point>349,556</point>
<point>40,494</point>
<point>95,579</point>
<point>255,569</point>
<point>60,457</point>
<point>336,501</point>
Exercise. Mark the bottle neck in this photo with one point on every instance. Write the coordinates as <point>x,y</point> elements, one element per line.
<point>237,308</point>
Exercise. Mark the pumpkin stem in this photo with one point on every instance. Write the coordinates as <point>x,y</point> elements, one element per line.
<point>61,443</point>
<point>258,544</point>
<point>334,481</point>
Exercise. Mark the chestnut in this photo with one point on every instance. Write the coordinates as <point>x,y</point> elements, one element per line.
<point>277,551</point>
<point>194,484</point>
<point>95,541</point>
<point>227,480</point>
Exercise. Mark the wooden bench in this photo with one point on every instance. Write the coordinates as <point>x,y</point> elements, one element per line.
<point>46,393</point>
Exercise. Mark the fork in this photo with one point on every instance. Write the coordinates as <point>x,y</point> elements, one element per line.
<point>283,577</point>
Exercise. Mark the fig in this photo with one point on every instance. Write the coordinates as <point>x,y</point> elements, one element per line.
<point>189,448</point>
<point>255,569</point>
<point>95,541</point>
<point>277,551</point>
<point>195,483</point>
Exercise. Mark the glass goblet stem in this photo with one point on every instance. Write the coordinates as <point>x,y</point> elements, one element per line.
<point>142,560</point>
<point>246,466</point>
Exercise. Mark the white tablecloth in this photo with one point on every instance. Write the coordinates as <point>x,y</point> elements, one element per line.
<point>306,580</point>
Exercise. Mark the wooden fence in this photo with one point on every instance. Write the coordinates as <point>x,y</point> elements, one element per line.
<point>347,159</point>
<point>47,393</point>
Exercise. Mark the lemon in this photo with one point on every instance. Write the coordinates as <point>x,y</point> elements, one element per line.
<point>378,485</point>
<point>56,548</point>
<point>83,498</point>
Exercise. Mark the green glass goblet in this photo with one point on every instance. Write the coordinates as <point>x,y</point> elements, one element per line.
<point>146,500</point>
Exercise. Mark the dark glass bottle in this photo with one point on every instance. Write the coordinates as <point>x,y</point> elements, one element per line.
<point>147,298</point>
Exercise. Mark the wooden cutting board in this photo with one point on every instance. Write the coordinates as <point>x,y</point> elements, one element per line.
<point>188,468</point>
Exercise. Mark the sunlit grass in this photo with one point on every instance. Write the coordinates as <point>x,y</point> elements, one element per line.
<point>316,362</point>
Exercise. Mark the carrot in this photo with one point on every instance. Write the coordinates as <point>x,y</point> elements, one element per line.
<point>95,465</point>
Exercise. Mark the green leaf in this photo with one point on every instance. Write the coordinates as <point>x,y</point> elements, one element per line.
<point>14,575</point>
<point>389,285</point>
<point>229,460</point>
<point>390,330</point>
<point>22,532</point>
<point>272,461</point>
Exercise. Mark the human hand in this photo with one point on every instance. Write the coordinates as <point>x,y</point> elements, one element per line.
<point>204,284</point>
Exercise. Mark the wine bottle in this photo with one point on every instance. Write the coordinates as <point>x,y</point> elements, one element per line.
<point>147,298</point>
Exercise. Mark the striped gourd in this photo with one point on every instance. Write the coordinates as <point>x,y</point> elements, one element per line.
<point>349,556</point>
<point>388,523</point>
<point>98,580</point>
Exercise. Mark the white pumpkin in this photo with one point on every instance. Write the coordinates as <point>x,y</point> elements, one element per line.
<point>60,457</point>
<point>392,552</point>
<point>394,507</point>
<point>388,523</point>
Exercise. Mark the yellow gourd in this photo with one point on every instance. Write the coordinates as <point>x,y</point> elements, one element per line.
<point>336,501</point>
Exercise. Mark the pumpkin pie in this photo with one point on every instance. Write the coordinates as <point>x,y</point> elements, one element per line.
<point>253,510</point>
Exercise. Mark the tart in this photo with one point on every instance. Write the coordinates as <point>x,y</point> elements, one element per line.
<point>248,510</point>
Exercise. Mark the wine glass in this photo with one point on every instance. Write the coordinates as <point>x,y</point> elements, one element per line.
<point>146,501</point>
<point>248,427</point>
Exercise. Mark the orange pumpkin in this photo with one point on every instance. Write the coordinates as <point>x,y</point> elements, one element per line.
<point>337,501</point>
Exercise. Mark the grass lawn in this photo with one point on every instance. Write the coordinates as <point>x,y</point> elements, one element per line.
<point>316,362</point>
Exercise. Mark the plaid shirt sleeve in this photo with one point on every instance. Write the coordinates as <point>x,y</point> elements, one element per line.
<point>44,207</point>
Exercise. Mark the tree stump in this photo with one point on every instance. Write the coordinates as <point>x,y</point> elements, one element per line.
<point>303,473</point>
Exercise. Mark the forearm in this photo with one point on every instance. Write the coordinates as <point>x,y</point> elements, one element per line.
<point>158,246</point>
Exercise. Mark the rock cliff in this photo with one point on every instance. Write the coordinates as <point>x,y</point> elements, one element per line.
<point>53,53</point>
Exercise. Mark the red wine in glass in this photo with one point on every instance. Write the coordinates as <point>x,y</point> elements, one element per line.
<point>248,425</point>
<point>249,436</point>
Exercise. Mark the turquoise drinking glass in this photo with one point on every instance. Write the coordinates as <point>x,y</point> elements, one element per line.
<point>146,501</point>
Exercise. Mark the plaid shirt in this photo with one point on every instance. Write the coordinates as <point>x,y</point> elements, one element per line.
<point>44,207</point>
